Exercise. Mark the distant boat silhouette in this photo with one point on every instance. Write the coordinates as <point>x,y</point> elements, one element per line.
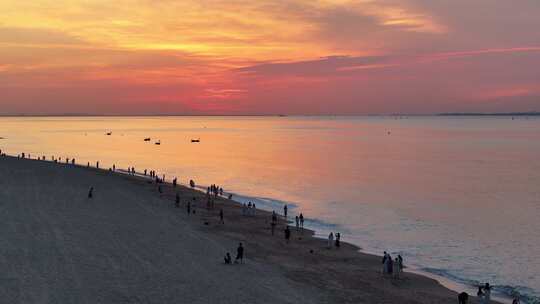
<point>147,139</point>
<point>158,142</point>
<point>109,133</point>
<point>196,140</point>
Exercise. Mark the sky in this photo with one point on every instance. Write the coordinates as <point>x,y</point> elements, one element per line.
<point>243,57</point>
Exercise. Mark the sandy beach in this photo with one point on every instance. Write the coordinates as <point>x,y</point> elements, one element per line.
<point>130,244</point>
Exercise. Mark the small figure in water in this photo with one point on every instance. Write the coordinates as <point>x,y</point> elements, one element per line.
<point>227,258</point>
<point>239,254</point>
<point>91,192</point>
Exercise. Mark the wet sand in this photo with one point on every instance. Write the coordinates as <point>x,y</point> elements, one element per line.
<point>130,244</point>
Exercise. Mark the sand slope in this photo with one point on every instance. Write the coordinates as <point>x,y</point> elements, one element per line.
<point>130,245</point>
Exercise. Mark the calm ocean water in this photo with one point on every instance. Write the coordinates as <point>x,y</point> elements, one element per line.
<point>458,197</point>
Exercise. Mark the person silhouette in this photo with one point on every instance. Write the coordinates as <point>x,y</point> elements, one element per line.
<point>240,254</point>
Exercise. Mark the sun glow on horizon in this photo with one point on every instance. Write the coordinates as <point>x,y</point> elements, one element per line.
<point>267,50</point>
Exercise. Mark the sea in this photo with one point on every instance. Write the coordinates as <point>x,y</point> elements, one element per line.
<point>457,196</point>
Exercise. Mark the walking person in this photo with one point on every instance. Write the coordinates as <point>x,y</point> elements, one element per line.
<point>239,254</point>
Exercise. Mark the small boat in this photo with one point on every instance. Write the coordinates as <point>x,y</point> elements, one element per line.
<point>109,133</point>
<point>158,142</point>
<point>196,140</point>
<point>147,139</point>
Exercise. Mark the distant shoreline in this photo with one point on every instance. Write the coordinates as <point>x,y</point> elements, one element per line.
<point>281,115</point>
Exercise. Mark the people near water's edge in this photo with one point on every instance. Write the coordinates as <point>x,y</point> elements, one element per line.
<point>91,192</point>
<point>297,222</point>
<point>338,239</point>
<point>330,240</point>
<point>484,293</point>
<point>301,217</point>
<point>239,254</point>
<point>285,211</point>
<point>480,294</point>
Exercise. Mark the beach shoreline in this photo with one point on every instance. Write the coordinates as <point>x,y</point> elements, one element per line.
<point>344,275</point>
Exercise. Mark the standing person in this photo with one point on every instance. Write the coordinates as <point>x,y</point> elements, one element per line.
<point>400,264</point>
<point>221,216</point>
<point>463,298</point>
<point>297,222</point>
<point>480,295</point>
<point>389,265</point>
<point>91,192</point>
<point>396,268</point>
<point>177,201</point>
<point>285,211</point>
<point>516,300</point>
<point>330,240</point>
<point>487,293</point>
<point>385,256</point>
<point>239,254</point>
<point>302,221</point>
<point>188,208</point>
<point>338,239</point>
<point>287,234</point>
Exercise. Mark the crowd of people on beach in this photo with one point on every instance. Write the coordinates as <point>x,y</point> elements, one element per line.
<point>334,239</point>
<point>392,267</point>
